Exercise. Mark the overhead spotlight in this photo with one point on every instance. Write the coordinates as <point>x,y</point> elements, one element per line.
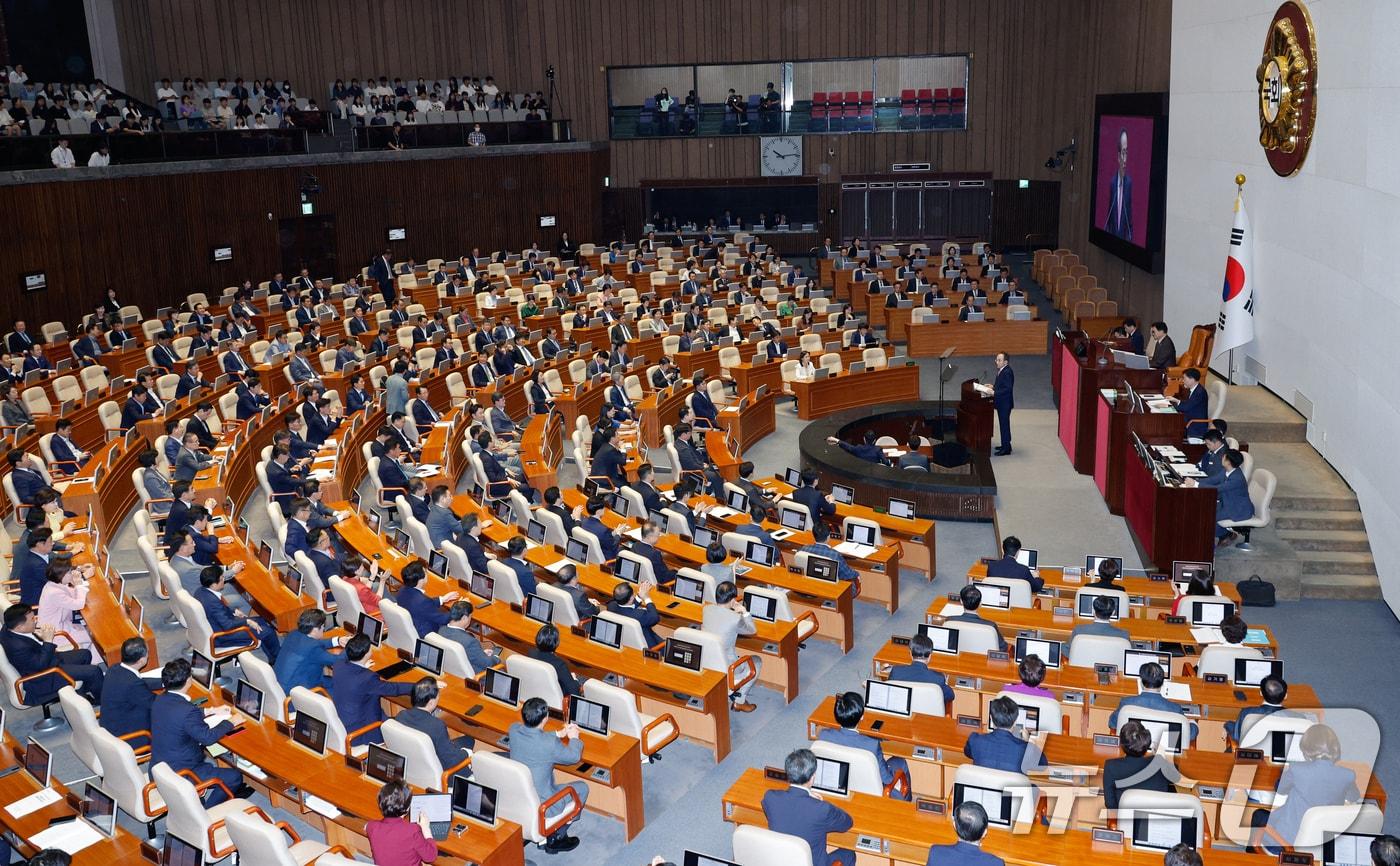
<point>1063,156</point>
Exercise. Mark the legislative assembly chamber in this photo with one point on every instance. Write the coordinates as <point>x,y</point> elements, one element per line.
<point>707,434</point>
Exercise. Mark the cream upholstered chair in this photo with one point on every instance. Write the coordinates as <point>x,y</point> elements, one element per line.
<point>759,846</point>
<point>125,782</point>
<point>83,721</point>
<point>737,674</point>
<point>400,631</point>
<point>1024,797</point>
<point>1155,718</point>
<point>1261,493</point>
<point>261,842</point>
<point>507,586</point>
<point>1220,658</point>
<point>422,768</point>
<point>1159,805</point>
<point>537,680</point>
<point>319,706</point>
<point>519,802</point>
<point>202,637</point>
<point>1019,591</point>
<point>976,638</point>
<point>925,699</point>
<point>187,819</point>
<point>864,773</point>
<point>260,675</point>
<point>1088,650</point>
<point>653,732</point>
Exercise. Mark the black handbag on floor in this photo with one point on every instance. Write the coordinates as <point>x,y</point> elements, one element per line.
<point>1256,592</point>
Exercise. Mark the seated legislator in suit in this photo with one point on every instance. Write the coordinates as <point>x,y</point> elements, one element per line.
<point>30,649</point>
<point>356,690</point>
<point>971,598</point>
<point>913,456</point>
<point>866,449</point>
<point>1272,690</point>
<point>1210,462</point>
<point>547,650</point>
<point>427,613</point>
<point>645,485</point>
<point>1102,624</point>
<point>637,606</point>
<point>1007,566</point>
<point>918,671</point>
<point>68,457</point>
<point>1163,349</point>
<point>646,549</point>
<point>1002,748</point>
<point>1317,780</point>
<point>1194,406</point>
<point>126,695</point>
<point>607,539</point>
<point>442,521</point>
<point>1151,676</point>
<point>970,823</point>
<point>421,716</point>
<point>850,709</point>
<point>1232,492</point>
<point>1135,771</point>
<point>458,630</point>
<point>180,734</point>
<point>222,617</point>
<point>541,751</point>
<point>799,811</point>
<point>610,462</point>
<point>306,653</point>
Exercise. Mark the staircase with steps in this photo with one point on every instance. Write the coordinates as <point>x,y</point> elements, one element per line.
<point>1317,546</point>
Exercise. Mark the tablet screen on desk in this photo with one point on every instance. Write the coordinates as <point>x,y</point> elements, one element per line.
<point>792,477</point>
<point>702,536</point>
<point>1048,651</point>
<point>997,804</point>
<point>737,500</point>
<point>832,777</point>
<point>100,809</point>
<point>370,628</point>
<point>502,686</point>
<point>843,494</point>
<point>759,553</point>
<point>248,698</point>
<point>1348,849</point>
<point>201,669</point>
<point>427,657</point>
<point>483,586</point>
<point>888,697</point>
<point>1028,557</point>
<point>821,568</point>
<point>36,762</point>
<point>1160,832</point>
<point>538,608</point>
<point>1183,572</point>
<point>995,595</point>
<point>178,852</point>
<point>945,640</point>
<point>1251,672</point>
<point>535,531</point>
<point>474,800</point>
<point>1086,604</point>
<point>1211,612</point>
<point>694,858</point>
<point>1094,560</point>
<point>589,715</point>
<point>761,606</point>
<point>310,732</point>
<point>1133,660</point>
<point>682,654</point>
<point>902,508</point>
<point>791,518</point>
<point>575,550</point>
<point>605,632</point>
<point>384,765</point>
<point>859,533</point>
<point>689,589</point>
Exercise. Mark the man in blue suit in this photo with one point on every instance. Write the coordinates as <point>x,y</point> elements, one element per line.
<point>27,479</point>
<point>283,478</point>
<point>610,462</point>
<point>638,607</point>
<point>646,549</point>
<point>30,649</point>
<point>1152,677</point>
<point>442,521</point>
<point>428,615</point>
<point>591,523</point>
<point>306,653</point>
<point>356,690</point>
<point>138,407</point>
<point>970,823</point>
<point>31,565</point>
<point>1003,400</point>
<point>1001,748</point>
<point>222,617</point>
<point>1008,566</point>
<point>918,671</point>
<point>179,736</point>
<point>701,404</point>
<point>1119,221</point>
<point>1233,492</point>
<point>866,449</point>
<point>126,695</point>
<point>971,598</point>
<point>1272,689</point>
<point>68,456</point>
<point>297,527</point>
<point>1194,406</point>
<point>850,709</point>
<point>251,398</point>
<point>381,270</point>
<point>524,575</point>
<point>799,811</point>
<point>1215,450</point>
<point>233,362</point>
<point>820,505</point>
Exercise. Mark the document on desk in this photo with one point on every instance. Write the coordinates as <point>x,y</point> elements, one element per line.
<point>558,565</point>
<point>1187,470</point>
<point>427,470</point>
<point>71,837</point>
<point>859,551</point>
<point>1173,691</point>
<point>952,608</point>
<point>1206,635</point>
<point>721,512</point>
<point>985,390</point>
<point>319,806</point>
<point>33,803</point>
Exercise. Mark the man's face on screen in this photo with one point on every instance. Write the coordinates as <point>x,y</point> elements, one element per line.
<point>1123,153</point>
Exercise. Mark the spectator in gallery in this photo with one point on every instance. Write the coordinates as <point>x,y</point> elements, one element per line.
<point>476,138</point>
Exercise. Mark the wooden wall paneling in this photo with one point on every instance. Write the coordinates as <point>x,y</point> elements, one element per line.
<point>160,246</point>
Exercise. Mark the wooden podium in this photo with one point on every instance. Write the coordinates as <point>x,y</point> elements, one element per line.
<point>975,418</point>
<point>1081,379</point>
<point>1113,441</point>
<point>1167,523</point>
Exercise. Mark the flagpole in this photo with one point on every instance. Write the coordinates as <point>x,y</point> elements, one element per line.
<point>1230,361</point>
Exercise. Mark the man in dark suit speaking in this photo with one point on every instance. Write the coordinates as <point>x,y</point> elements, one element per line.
<point>1120,195</point>
<point>1003,400</point>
